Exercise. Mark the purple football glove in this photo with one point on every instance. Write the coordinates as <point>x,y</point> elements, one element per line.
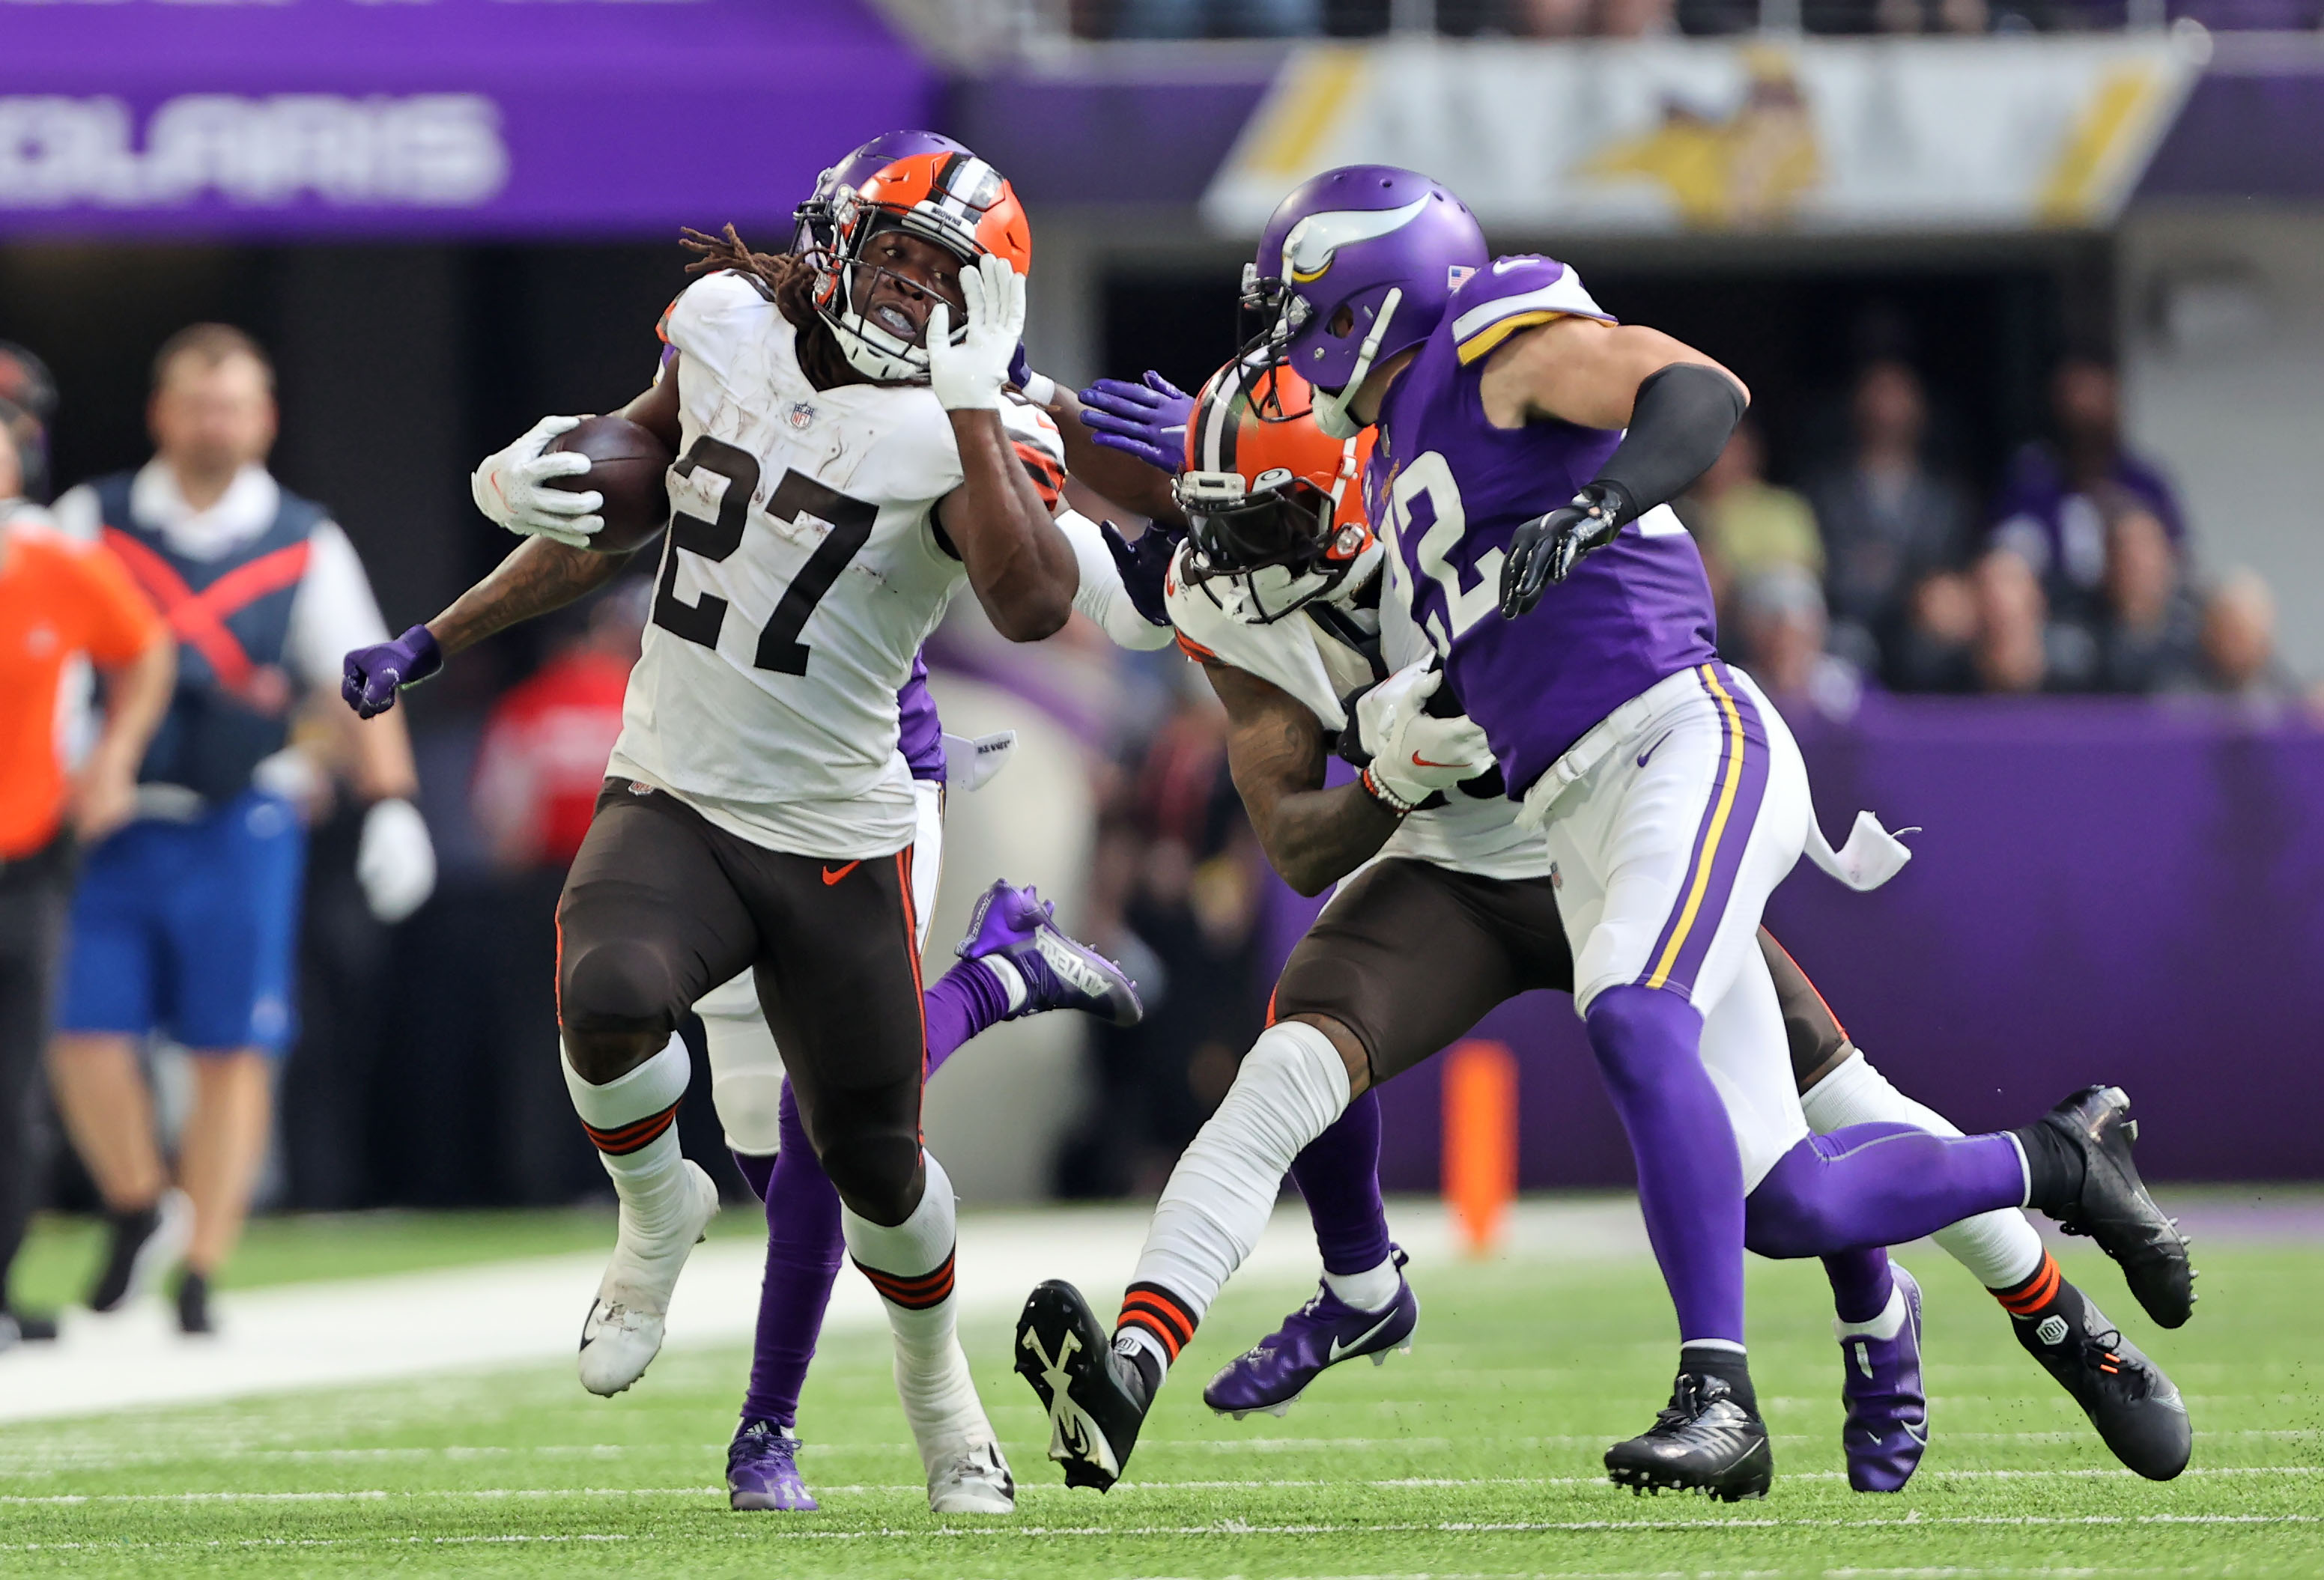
<point>370,676</point>
<point>1143,564</point>
<point>1148,421</point>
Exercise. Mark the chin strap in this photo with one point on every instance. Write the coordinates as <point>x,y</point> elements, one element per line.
<point>1331,411</point>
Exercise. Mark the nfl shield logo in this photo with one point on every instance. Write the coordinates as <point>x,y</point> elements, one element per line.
<point>802,414</point>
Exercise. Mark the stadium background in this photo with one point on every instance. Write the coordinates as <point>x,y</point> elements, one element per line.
<point>443,219</point>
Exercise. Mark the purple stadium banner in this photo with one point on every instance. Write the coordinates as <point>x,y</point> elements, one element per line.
<point>447,117</point>
<point>2124,892</point>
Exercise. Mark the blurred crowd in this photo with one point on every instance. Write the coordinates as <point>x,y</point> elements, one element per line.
<point>1884,569</point>
<point>1555,19</point>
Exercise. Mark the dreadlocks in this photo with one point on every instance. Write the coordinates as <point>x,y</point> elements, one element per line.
<point>789,280</point>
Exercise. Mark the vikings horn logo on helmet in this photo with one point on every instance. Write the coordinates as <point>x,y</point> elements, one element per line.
<point>1316,240</point>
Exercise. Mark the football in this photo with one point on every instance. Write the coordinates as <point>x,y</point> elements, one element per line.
<point>629,466</point>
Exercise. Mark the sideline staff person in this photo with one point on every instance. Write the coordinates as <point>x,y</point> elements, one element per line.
<point>59,601</point>
<point>187,919</point>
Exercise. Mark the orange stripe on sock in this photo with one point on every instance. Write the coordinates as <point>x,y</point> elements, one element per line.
<point>922,1282</point>
<point>1147,1323</point>
<point>1152,1302</point>
<point>914,1294</point>
<point>628,1138</point>
<point>1159,1311</point>
<point>2035,1293</point>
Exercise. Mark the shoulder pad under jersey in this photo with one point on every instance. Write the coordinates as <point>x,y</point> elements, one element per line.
<point>1511,294</point>
<point>1033,433</point>
<point>703,321</point>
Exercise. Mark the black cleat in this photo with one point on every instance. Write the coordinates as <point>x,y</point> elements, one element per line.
<point>1703,1442</point>
<point>194,1304</point>
<point>23,1328</point>
<point>2114,1209</point>
<point>141,1247</point>
<point>2134,1407</point>
<point>1096,1399</point>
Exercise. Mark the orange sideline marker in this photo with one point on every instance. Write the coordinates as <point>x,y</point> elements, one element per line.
<point>1480,1139</point>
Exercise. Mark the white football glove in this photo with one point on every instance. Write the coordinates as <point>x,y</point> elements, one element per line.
<point>395,860</point>
<point>511,487</point>
<point>968,377</point>
<point>1414,755</point>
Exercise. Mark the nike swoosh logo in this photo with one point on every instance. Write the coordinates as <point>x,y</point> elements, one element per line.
<point>1421,762</point>
<point>1653,749</point>
<point>1503,265</point>
<point>830,877</point>
<point>1339,1350</point>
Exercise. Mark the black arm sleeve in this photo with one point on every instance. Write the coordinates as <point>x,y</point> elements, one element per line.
<point>1681,421</point>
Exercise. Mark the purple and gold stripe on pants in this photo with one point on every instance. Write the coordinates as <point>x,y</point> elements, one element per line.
<point>1719,840</point>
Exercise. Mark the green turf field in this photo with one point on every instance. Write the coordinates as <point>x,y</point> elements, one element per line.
<point>62,1253</point>
<point>1475,1455</point>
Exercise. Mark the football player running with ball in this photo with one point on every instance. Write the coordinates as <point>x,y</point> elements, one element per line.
<point>1669,794</point>
<point>846,459</point>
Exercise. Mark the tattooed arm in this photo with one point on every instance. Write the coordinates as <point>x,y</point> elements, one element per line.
<point>1313,836</point>
<point>537,577</point>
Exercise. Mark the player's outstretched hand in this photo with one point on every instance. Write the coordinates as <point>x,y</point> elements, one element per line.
<point>1146,419</point>
<point>511,487</point>
<point>1144,566</point>
<point>1414,754</point>
<point>967,375</point>
<point>1546,548</point>
<point>369,678</point>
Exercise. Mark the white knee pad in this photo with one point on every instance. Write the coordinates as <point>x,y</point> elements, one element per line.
<point>746,1081</point>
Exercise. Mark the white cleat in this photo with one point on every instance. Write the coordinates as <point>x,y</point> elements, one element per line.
<point>624,1332</point>
<point>973,1481</point>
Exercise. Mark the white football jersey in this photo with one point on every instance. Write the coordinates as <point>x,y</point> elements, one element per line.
<point>800,575</point>
<point>1320,656</point>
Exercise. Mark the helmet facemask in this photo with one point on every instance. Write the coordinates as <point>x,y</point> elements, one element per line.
<point>950,200</point>
<point>1275,543</point>
<point>846,282</point>
<point>1289,320</point>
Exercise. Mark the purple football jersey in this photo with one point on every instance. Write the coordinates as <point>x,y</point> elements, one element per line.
<point>920,733</point>
<point>1451,488</point>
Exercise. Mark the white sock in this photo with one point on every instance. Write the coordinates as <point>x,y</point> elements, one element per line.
<point>2000,1248</point>
<point>911,1266</point>
<point>1887,1325</point>
<point>1289,1091</point>
<point>1012,981</point>
<point>1369,1290</point>
<point>633,1120</point>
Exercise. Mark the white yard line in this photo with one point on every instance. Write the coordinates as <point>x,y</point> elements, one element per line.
<point>1414,1484</point>
<point>1232,1529</point>
<point>378,1329</point>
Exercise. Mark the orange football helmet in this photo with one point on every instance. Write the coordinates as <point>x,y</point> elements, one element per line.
<point>1270,499</point>
<point>951,199</point>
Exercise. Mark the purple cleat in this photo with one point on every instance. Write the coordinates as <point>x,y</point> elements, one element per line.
<point>762,1470</point>
<point>1017,925</point>
<point>1275,1371</point>
<point>1887,1428</point>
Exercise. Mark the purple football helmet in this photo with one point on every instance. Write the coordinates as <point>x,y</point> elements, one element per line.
<point>1355,266</point>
